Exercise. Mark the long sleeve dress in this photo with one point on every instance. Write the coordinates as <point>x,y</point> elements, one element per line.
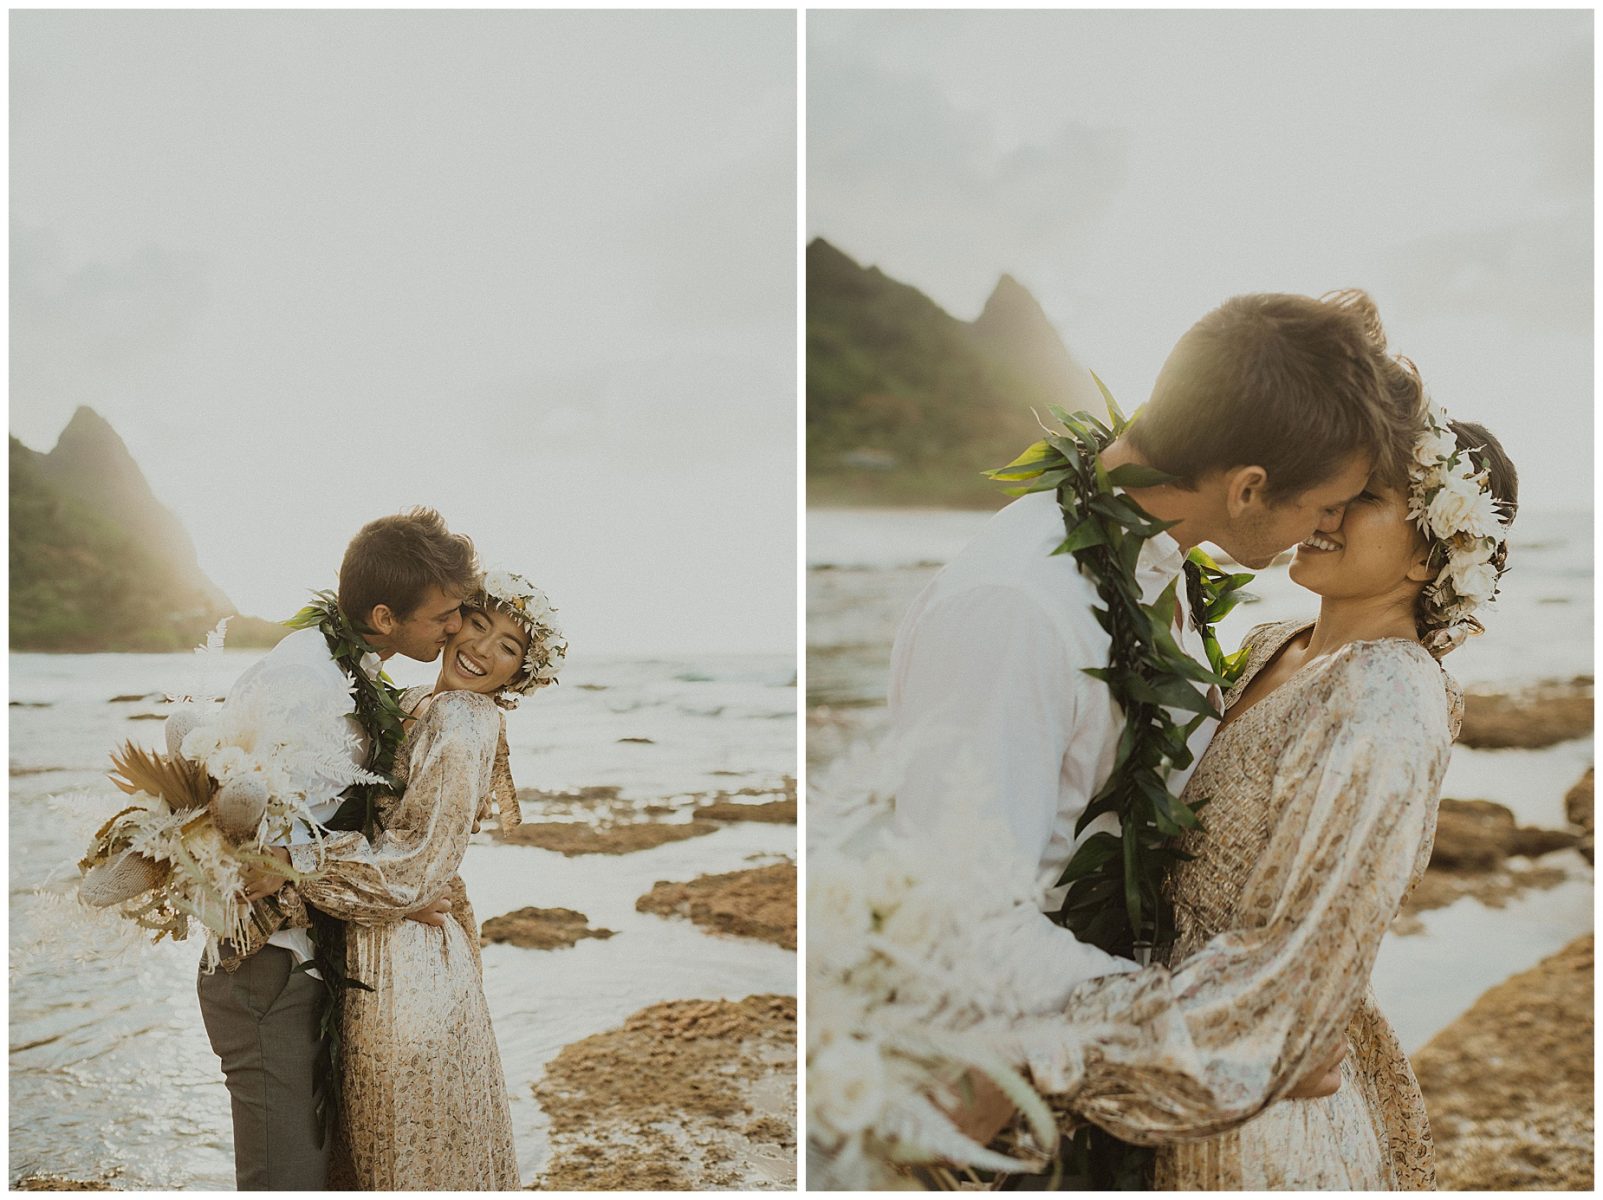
<point>424,1099</point>
<point>1320,818</point>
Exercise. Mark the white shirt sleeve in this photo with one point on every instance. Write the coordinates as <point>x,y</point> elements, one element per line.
<point>985,697</point>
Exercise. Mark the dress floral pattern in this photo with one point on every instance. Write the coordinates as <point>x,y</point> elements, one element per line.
<point>1321,813</point>
<point>424,1099</point>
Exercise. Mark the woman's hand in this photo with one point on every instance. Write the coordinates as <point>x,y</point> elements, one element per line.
<point>1324,1080</point>
<point>260,882</point>
<point>431,914</point>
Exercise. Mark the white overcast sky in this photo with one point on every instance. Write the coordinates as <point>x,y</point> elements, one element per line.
<point>1133,169</point>
<point>536,269</point>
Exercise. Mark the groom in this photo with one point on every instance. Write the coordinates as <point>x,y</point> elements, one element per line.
<point>400,589</point>
<point>1267,418</point>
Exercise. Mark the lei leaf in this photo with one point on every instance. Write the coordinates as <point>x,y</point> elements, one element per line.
<point>1114,898</point>
<point>378,708</point>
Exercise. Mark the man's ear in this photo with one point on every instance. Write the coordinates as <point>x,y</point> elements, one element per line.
<point>382,620</point>
<point>1244,487</point>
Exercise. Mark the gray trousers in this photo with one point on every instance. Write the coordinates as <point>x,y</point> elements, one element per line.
<point>263,1023</point>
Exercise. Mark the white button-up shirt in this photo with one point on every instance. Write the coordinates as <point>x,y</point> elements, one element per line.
<point>299,672</point>
<point>987,683</point>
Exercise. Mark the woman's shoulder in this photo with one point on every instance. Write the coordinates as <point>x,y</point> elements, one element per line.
<point>462,711</point>
<point>1378,682</point>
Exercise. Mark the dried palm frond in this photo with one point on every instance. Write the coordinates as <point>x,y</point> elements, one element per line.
<point>121,878</point>
<point>180,782</point>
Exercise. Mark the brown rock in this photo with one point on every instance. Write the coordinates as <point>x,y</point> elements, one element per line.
<point>541,928</point>
<point>1509,1084</point>
<point>780,812</point>
<point>1578,802</point>
<point>1477,835</point>
<point>576,837</point>
<point>677,1099</point>
<point>59,1183</point>
<point>1540,716</point>
<point>758,903</point>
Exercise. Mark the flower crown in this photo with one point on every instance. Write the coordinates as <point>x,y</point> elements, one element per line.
<point>1451,501</point>
<point>530,607</point>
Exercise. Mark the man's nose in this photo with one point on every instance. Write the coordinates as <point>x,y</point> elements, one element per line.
<point>453,623</point>
<point>1331,520</point>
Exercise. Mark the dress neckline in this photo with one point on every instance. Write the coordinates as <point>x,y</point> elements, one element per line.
<point>1269,649</point>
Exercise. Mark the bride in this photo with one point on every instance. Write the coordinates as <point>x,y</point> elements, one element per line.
<point>423,1100</point>
<point>1321,787</point>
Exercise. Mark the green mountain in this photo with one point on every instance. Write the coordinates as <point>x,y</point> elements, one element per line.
<point>906,404</point>
<point>97,562</point>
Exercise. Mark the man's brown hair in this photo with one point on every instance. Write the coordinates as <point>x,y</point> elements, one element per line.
<point>1288,383</point>
<point>393,561</point>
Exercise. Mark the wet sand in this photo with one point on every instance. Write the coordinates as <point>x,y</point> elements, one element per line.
<point>758,903</point>
<point>1508,1085</point>
<point>689,1095</point>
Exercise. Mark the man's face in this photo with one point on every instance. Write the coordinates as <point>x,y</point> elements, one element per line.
<point>425,631</point>
<point>1261,529</point>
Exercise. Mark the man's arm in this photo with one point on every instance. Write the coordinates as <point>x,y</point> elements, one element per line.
<point>985,701</point>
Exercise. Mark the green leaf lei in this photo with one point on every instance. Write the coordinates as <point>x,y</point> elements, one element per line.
<point>378,708</point>
<point>1115,882</point>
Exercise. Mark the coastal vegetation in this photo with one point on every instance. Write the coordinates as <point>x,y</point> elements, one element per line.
<point>98,563</point>
<point>907,404</point>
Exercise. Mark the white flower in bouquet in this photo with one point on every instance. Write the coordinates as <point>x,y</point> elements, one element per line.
<point>197,820</point>
<point>929,960</point>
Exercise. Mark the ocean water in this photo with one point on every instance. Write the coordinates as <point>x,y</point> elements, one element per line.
<point>111,1073</point>
<point>865,566</point>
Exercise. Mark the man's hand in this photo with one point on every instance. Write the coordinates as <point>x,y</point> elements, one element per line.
<point>432,914</point>
<point>260,882</point>
<point>1324,1080</point>
<point>985,1114</point>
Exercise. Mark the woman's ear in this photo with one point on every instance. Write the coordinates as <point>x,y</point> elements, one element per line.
<point>1423,569</point>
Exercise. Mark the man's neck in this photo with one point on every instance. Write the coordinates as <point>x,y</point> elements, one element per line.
<point>1166,502</point>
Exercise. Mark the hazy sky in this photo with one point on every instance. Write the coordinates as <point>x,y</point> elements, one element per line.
<point>535,269</point>
<point>1133,169</point>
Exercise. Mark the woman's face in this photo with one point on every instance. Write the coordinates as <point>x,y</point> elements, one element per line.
<point>484,654</point>
<point>1376,552</point>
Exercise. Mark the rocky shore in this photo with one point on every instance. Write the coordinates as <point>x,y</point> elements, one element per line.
<point>541,928</point>
<point>1508,1085</point>
<point>690,1095</point>
<point>1541,715</point>
<point>758,903</point>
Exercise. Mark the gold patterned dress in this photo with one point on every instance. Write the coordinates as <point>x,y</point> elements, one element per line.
<point>1321,813</point>
<point>424,1099</point>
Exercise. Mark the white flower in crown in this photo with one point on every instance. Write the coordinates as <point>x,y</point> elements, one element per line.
<point>1452,503</point>
<point>548,647</point>
<point>1434,446</point>
<point>1452,507</point>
